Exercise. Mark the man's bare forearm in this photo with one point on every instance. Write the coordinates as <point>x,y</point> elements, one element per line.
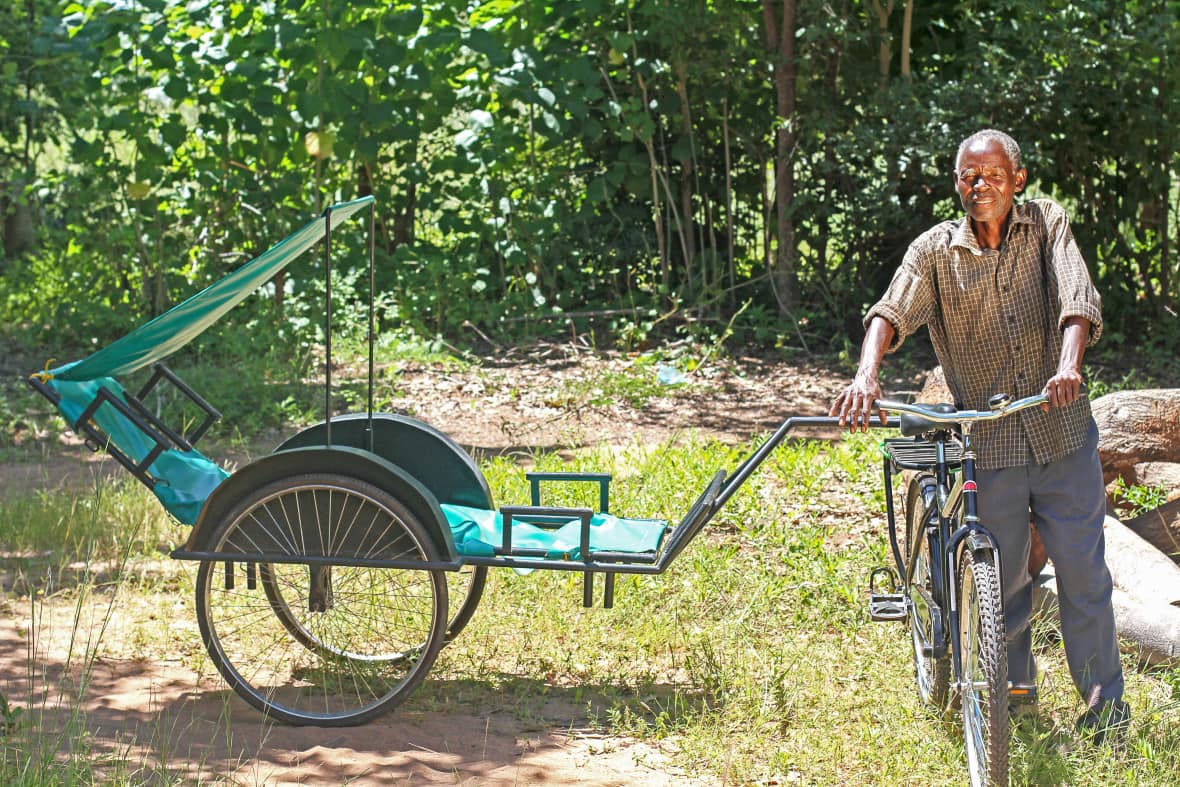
<point>1066,386</point>
<point>877,340</point>
<point>855,403</point>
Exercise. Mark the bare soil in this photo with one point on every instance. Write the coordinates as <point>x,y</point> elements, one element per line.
<point>554,397</point>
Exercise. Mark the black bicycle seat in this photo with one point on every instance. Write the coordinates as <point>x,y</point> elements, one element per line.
<point>914,425</point>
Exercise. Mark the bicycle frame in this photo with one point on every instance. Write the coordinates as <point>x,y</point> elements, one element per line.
<point>955,511</point>
<point>950,522</point>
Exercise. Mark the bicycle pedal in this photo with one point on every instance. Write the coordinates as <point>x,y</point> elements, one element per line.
<point>888,606</point>
<point>885,600</point>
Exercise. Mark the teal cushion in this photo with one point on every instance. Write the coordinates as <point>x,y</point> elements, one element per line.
<point>478,531</point>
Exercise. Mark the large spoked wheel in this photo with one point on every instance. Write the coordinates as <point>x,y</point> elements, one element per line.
<point>464,588</point>
<point>933,674</point>
<point>314,642</point>
<point>985,672</point>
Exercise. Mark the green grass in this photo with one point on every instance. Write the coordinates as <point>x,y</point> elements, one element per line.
<point>751,660</point>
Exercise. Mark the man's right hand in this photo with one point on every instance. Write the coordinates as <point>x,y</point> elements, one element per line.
<point>854,405</point>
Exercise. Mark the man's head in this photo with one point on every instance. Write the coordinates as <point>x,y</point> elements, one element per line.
<point>988,175</point>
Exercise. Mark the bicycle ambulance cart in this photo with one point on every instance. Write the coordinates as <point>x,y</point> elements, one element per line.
<point>333,570</point>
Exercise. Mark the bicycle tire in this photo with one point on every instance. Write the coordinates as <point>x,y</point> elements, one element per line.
<point>984,695</point>
<point>337,654</point>
<point>933,675</point>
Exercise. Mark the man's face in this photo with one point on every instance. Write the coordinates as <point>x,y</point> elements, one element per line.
<point>986,181</point>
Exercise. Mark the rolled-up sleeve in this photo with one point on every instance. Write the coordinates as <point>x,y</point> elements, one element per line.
<point>1068,277</point>
<point>908,303</point>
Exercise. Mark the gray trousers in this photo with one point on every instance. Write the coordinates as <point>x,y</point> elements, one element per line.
<point>1068,503</point>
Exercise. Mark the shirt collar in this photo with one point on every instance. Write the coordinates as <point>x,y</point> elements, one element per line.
<point>964,235</point>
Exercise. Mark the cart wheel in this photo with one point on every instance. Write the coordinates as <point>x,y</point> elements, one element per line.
<point>331,645</point>
<point>465,588</point>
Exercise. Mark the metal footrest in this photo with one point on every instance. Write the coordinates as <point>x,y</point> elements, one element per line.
<point>885,601</point>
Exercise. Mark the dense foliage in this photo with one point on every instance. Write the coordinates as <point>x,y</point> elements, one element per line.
<point>634,159</point>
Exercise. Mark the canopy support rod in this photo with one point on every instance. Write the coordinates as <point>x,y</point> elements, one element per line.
<point>328,326</point>
<point>372,320</point>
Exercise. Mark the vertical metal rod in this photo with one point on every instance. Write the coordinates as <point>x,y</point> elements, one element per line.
<point>372,319</point>
<point>328,326</point>
<point>891,514</point>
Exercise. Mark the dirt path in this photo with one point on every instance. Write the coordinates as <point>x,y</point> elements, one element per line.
<point>179,725</point>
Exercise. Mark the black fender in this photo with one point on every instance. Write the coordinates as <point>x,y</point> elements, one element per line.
<point>437,461</point>
<point>353,462</point>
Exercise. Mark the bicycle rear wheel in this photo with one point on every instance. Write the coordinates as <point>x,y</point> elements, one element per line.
<point>933,674</point>
<point>985,671</point>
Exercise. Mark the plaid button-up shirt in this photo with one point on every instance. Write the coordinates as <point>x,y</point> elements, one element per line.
<point>995,320</point>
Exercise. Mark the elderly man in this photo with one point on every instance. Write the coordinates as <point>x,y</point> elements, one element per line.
<point>1011,308</point>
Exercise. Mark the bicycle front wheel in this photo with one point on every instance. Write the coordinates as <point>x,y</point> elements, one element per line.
<point>985,671</point>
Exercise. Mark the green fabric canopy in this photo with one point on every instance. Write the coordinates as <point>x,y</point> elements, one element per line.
<point>164,335</point>
<point>183,479</point>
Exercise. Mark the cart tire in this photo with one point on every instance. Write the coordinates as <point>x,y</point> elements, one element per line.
<point>321,643</point>
<point>465,589</point>
<point>933,674</point>
<point>985,671</point>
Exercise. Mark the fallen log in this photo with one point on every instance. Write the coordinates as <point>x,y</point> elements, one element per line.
<point>1138,567</point>
<point>1165,475</point>
<point>1136,427</point>
<point>1160,528</point>
<point>1150,630</point>
<point>935,389</point>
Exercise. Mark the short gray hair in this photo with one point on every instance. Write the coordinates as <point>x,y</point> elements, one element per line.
<point>991,135</point>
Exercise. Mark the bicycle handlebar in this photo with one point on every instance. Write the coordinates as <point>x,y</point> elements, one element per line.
<point>1003,407</point>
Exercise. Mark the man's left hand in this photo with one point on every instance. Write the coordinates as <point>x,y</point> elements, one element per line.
<point>1063,388</point>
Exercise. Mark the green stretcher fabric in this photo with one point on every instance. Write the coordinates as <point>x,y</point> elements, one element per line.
<point>478,531</point>
<point>167,333</point>
<point>184,479</point>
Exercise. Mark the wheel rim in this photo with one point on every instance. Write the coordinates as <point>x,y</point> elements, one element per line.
<point>329,653</point>
<point>974,726</point>
<point>923,663</point>
<point>932,675</point>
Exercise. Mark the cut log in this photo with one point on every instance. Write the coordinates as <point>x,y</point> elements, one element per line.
<point>1158,474</point>
<point>935,389</point>
<point>1149,630</point>
<point>1160,528</point>
<point>1138,567</point>
<point>1135,427</point>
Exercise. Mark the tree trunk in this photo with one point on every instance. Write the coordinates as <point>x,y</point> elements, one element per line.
<point>686,177</point>
<point>1137,426</point>
<point>906,33</point>
<point>1160,528</point>
<point>884,54</point>
<point>18,229</point>
<point>780,41</point>
<point>731,273</point>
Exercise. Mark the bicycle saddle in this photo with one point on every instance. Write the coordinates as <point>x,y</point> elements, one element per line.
<point>914,425</point>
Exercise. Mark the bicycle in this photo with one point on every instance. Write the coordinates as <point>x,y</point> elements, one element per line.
<point>946,582</point>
